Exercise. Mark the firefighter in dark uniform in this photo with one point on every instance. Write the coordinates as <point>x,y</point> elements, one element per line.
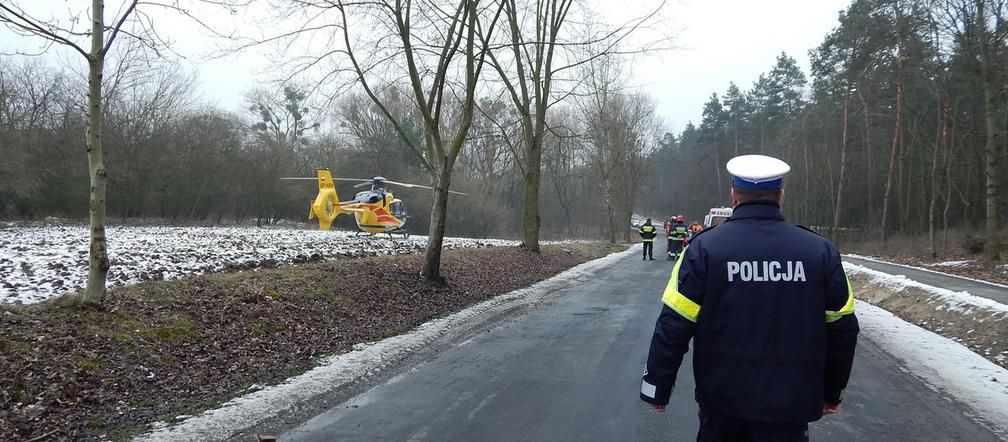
<point>648,234</point>
<point>771,315</point>
<point>676,237</point>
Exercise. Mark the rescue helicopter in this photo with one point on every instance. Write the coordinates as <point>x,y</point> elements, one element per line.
<point>376,210</point>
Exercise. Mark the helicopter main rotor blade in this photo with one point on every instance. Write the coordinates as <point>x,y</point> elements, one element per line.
<point>407,184</point>
<point>316,178</point>
<point>351,179</point>
<point>420,186</point>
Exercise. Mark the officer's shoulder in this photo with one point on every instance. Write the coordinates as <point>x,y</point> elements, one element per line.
<point>812,234</point>
<point>696,235</point>
<point>809,230</point>
<point>817,236</point>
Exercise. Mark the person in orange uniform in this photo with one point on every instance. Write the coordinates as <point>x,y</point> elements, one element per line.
<point>694,228</point>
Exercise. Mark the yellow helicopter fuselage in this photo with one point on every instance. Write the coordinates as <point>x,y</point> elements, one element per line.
<point>375,210</point>
<point>379,217</point>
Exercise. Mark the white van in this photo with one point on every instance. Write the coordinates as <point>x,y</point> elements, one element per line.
<point>717,215</point>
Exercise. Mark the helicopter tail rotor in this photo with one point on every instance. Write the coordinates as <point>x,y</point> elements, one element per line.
<point>326,206</point>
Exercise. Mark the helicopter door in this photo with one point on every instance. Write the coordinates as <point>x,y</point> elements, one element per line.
<point>398,209</point>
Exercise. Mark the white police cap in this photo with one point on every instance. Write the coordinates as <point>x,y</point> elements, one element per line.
<point>757,171</point>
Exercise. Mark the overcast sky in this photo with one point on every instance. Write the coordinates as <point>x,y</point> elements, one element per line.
<point>718,41</point>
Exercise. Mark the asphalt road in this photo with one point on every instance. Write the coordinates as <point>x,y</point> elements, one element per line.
<point>571,371</point>
<point>991,291</point>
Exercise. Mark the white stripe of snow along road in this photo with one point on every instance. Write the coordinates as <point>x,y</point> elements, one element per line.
<point>923,269</point>
<point>247,411</point>
<point>943,364</point>
<point>962,302</point>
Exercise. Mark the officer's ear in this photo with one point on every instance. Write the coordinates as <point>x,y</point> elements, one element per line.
<point>780,197</point>
<point>734,197</point>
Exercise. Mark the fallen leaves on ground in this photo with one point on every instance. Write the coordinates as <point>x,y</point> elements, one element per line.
<point>163,349</point>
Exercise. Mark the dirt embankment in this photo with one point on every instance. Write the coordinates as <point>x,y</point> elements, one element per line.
<point>982,330</point>
<point>164,349</point>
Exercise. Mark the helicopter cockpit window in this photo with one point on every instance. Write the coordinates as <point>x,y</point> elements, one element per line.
<point>368,197</point>
<point>398,209</point>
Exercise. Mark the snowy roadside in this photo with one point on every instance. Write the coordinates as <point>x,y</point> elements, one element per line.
<point>944,365</point>
<point>367,360</point>
<point>979,323</point>
<point>37,263</point>
<point>945,265</point>
<point>962,302</point>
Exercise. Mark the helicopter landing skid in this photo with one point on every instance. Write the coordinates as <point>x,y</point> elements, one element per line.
<point>405,233</point>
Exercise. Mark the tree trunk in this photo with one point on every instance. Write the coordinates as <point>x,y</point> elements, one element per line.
<point>949,137</point>
<point>843,165</point>
<point>736,136</point>
<point>805,176</point>
<point>894,151</point>
<point>826,205</point>
<point>868,154</point>
<point>609,211</point>
<point>98,262</point>
<point>435,237</point>
<point>717,171</point>
<point>531,221</point>
<point>935,159</point>
<point>991,154</point>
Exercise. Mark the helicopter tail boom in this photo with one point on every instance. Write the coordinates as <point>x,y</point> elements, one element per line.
<point>327,205</point>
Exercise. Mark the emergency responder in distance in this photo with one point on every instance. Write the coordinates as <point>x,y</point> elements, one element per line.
<point>771,315</point>
<point>648,234</point>
<point>677,235</point>
<point>694,228</point>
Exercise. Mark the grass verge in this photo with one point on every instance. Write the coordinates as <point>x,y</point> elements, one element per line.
<point>158,350</point>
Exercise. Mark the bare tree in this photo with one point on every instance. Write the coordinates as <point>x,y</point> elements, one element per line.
<point>528,65</point>
<point>428,38</point>
<point>101,39</point>
<point>980,28</point>
<point>620,129</point>
<point>95,44</point>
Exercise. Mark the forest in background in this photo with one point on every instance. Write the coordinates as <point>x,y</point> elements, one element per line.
<point>899,129</point>
<point>176,159</point>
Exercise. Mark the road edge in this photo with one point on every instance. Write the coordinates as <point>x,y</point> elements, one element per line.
<point>923,269</point>
<point>368,360</point>
<point>945,366</point>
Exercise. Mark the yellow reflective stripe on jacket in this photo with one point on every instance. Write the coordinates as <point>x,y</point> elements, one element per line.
<point>677,301</point>
<point>847,308</point>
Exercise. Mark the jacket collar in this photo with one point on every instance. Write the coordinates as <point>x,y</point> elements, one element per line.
<point>757,211</point>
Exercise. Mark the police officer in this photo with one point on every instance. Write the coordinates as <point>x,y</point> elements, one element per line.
<point>648,234</point>
<point>771,315</point>
<point>677,235</point>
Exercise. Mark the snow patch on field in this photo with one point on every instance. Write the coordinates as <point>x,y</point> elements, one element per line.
<point>945,365</point>
<point>37,263</point>
<point>962,302</point>
<point>366,360</point>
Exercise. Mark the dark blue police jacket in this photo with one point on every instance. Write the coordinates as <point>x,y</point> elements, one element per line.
<point>770,311</point>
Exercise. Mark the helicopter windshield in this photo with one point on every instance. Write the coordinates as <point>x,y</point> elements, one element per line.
<point>398,209</point>
<point>368,196</point>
